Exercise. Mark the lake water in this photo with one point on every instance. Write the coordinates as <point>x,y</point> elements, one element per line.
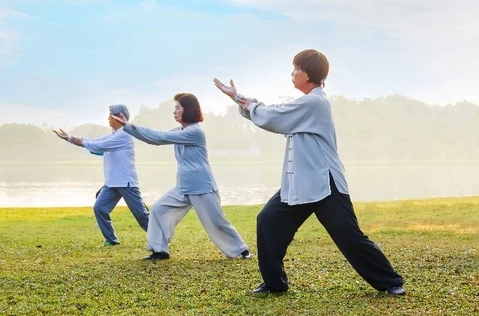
<point>39,185</point>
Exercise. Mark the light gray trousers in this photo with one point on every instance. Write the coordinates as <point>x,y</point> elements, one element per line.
<point>168,211</point>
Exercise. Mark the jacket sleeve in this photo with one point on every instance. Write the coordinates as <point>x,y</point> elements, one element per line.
<point>116,141</point>
<point>187,136</point>
<point>284,118</point>
<point>244,113</point>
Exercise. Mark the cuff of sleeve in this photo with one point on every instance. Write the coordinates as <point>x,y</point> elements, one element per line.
<point>127,127</point>
<point>252,106</point>
<point>86,144</point>
<point>237,97</point>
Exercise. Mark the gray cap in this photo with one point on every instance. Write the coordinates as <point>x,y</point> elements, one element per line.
<point>120,108</point>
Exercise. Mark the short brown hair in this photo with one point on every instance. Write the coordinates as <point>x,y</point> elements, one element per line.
<point>314,64</point>
<point>178,95</point>
<point>191,107</point>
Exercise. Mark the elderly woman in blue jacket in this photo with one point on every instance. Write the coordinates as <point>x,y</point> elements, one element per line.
<point>313,181</point>
<point>195,186</point>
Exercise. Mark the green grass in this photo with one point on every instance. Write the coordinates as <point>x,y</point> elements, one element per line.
<point>50,264</point>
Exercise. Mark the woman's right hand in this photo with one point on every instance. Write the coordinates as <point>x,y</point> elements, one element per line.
<point>120,119</point>
<point>228,90</point>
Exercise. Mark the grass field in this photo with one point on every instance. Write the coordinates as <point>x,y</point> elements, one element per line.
<point>50,264</point>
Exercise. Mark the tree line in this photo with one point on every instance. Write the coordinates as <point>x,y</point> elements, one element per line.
<point>382,129</point>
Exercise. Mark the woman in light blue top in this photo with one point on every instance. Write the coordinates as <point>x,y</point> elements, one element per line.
<point>195,184</point>
<point>312,181</point>
<point>121,177</point>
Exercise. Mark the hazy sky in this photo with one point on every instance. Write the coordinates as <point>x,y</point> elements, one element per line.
<point>62,62</point>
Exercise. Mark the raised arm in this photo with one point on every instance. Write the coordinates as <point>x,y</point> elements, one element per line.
<point>187,136</point>
<point>302,115</point>
<point>117,141</point>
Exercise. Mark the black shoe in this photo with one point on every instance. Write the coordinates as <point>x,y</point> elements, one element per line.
<point>396,290</point>
<point>263,289</point>
<point>110,243</point>
<point>158,256</point>
<point>246,254</point>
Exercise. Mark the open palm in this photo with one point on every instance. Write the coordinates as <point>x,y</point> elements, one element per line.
<point>61,133</point>
<point>228,90</point>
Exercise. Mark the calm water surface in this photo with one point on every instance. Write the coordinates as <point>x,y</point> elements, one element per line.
<point>38,185</point>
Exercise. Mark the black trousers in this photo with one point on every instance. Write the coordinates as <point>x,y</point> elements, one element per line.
<point>278,222</point>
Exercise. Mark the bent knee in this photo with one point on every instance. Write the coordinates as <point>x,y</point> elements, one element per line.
<point>264,217</point>
<point>100,209</point>
<point>158,208</point>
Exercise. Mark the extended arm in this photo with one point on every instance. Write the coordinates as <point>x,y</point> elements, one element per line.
<point>154,137</point>
<point>285,118</point>
<point>116,141</point>
<point>74,140</point>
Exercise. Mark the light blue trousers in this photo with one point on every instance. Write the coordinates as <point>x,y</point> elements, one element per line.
<point>106,201</point>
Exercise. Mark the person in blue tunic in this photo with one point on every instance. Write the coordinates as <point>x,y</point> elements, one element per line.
<point>119,169</point>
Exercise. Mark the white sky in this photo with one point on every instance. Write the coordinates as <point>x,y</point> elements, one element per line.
<point>63,62</point>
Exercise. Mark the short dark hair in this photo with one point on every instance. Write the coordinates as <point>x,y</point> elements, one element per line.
<point>314,64</point>
<point>191,107</point>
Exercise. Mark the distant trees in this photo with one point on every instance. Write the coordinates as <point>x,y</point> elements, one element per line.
<point>389,128</point>
<point>400,128</point>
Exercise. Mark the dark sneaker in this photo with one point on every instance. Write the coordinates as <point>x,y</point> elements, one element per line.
<point>263,289</point>
<point>158,256</point>
<point>397,290</point>
<point>246,254</point>
<point>110,243</point>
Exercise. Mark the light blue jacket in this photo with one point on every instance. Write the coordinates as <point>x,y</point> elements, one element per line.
<point>118,150</point>
<point>194,175</point>
<point>311,151</point>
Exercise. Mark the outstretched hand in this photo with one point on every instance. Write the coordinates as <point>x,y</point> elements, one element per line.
<point>61,133</point>
<point>228,90</point>
<point>120,119</point>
